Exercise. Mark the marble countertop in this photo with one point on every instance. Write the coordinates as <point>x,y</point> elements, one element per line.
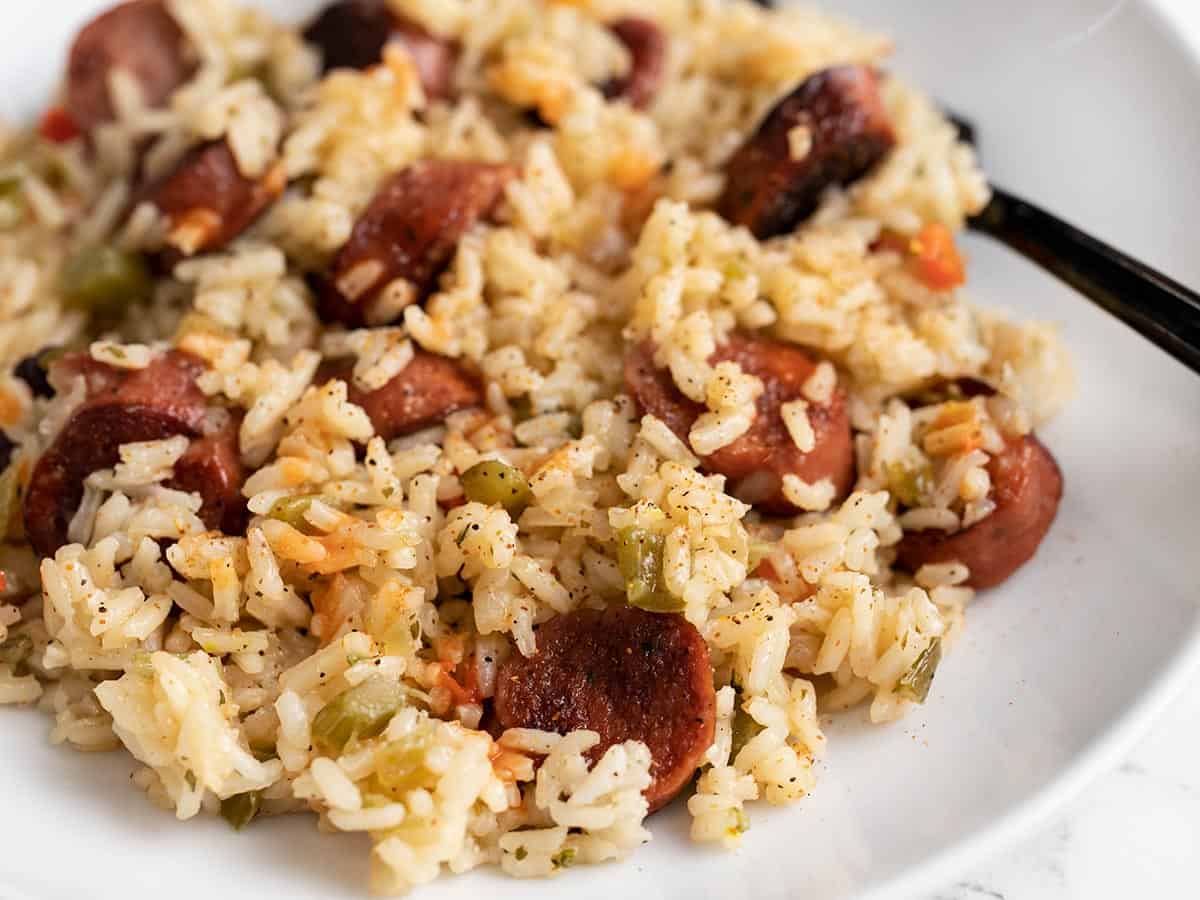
<point>1135,832</point>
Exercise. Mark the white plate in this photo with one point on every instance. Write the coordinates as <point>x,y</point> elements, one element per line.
<point>1058,670</point>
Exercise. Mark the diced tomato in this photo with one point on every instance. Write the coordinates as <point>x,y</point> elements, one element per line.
<point>936,260</point>
<point>57,126</point>
<point>931,256</point>
<point>3,582</point>
<point>766,571</point>
<point>468,691</point>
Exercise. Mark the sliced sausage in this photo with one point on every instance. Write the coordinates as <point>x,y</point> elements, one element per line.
<point>208,201</point>
<point>429,388</point>
<point>157,402</point>
<point>407,236</point>
<point>212,467</point>
<point>849,132</point>
<point>1027,486</point>
<point>434,58</point>
<point>351,34</point>
<point>647,45</point>
<point>626,674</point>
<point>139,37</point>
<point>756,462</point>
<point>97,377</point>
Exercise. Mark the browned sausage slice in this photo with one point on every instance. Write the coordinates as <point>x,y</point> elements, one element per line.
<point>410,232</point>
<point>168,384</point>
<point>1026,488</point>
<point>625,674</point>
<point>212,467</point>
<point>647,47</point>
<point>351,34</point>
<point>756,462</point>
<point>429,388</point>
<point>850,131</point>
<point>159,401</point>
<point>433,58</point>
<point>140,37</point>
<point>208,201</point>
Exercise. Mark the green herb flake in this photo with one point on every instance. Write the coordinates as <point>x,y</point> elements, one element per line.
<point>914,684</point>
<point>744,728</point>
<point>240,809</point>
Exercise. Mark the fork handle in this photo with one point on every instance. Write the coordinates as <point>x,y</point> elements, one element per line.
<point>1159,308</point>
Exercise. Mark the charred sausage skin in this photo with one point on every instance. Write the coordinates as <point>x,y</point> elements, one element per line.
<point>626,674</point>
<point>408,235</point>
<point>849,129</point>
<point>427,390</point>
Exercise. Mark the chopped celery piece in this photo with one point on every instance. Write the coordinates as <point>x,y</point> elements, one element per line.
<point>640,559</point>
<point>240,809</point>
<point>104,280</point>
<point>914,684</point>
<point>362,711</point>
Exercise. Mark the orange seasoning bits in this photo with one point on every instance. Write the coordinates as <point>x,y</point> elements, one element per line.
<point>935,258</point>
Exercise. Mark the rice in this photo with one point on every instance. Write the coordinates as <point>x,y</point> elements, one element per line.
<point>218,661</point>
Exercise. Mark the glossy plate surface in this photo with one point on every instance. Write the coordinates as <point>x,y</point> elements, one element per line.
<point>1058,670</point>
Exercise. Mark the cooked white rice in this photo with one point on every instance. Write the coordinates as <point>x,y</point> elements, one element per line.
<point>209,657</point>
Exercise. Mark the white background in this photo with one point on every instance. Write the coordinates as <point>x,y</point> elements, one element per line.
<point>1135,833</point>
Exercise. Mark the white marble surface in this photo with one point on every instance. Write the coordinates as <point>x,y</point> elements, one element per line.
<point>1134,833</point>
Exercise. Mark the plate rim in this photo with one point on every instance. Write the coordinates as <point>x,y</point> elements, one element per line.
<point>1035,810</point>
<point>1031,814</point>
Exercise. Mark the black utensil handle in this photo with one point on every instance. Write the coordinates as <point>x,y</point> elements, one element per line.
<point>1157,307</point>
